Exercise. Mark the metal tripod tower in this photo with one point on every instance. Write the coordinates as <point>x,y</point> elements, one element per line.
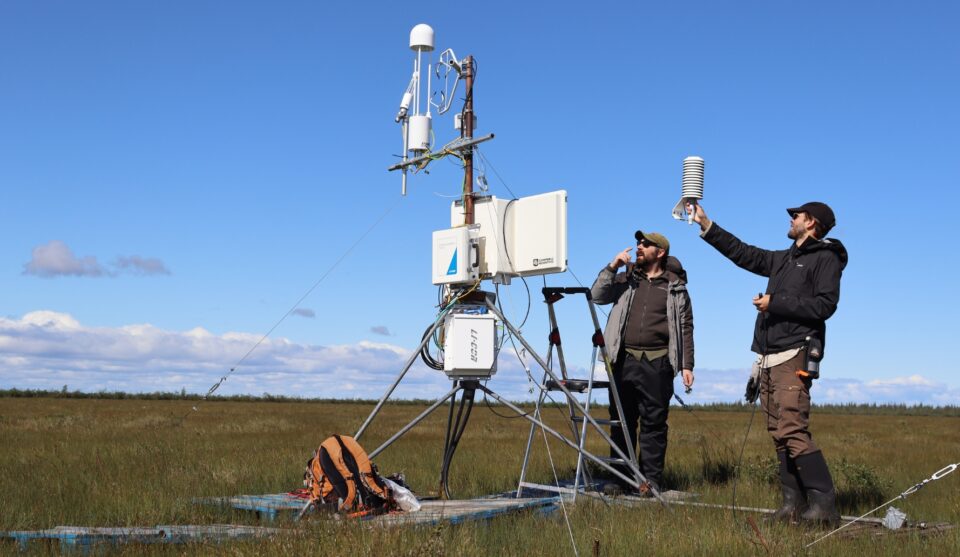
<point>417,127</point>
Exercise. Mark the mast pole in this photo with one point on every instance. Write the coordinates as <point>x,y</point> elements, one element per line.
<point>467,134</point>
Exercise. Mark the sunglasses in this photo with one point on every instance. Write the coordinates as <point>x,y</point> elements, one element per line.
<point>646,244</point>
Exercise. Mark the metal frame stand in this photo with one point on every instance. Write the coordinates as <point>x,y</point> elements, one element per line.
<point>582,477</point>
<point>628,461</point>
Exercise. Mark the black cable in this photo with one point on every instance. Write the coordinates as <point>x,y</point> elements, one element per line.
<point>526,315</point>
<point>743,446</point>
<point>529,303</point>
<point>425,352</point>
<point>446,439</point>
<point>446,445</point>
<point>486,403</point>
<point>753,412</point>
<point>454,435</point>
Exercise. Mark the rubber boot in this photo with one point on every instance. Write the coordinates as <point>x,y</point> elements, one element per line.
<point>794,501</point>
<point>821,495</point>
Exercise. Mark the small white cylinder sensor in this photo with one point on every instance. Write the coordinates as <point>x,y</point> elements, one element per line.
<point>419,133</point>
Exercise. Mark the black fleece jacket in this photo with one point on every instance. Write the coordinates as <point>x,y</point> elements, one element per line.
<point>804,286</point>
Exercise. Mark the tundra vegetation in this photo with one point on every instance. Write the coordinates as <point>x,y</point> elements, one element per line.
<point>112,460</point>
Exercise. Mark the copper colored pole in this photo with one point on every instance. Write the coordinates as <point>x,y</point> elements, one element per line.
<point>467,134</point>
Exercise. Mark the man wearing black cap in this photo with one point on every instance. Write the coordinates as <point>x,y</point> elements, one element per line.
<point>649,336</point>
<point>802,293</point>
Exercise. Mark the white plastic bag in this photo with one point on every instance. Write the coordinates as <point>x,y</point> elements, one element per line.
<point>405,498</point>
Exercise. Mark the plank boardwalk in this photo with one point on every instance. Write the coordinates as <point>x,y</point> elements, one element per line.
<point>431,512</point>
<point>78,537</point>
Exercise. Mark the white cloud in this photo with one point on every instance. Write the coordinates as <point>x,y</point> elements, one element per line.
<point>380,330</point>
<point>47,349</point>
<point>141,265</point>
<point>56,259</point>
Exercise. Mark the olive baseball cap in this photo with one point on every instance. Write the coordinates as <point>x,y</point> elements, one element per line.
<point>820,211</point>
<point>655,238</point>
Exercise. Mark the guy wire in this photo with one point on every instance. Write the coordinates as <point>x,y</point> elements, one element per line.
<point>948,469</point>
<point>556,479</point>
<point>574,275</point>
<point>525,369</point>
<point>309,291</point>
<point>736,475</point>
<point>486,161</point>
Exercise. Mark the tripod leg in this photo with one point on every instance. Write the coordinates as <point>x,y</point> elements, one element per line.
<point>406,368</point>
<point>582,472</point>
<point>608,367</point>
<point>415,421</point>
<point>560,384</point>
<point>533,430</point>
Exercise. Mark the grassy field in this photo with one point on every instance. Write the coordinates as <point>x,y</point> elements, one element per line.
<point>128,462</point>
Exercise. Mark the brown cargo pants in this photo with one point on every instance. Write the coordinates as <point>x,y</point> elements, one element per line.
<point>785,400</point>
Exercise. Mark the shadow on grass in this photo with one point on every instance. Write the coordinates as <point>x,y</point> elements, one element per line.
<point>859,486</point>
<point>717,466</point>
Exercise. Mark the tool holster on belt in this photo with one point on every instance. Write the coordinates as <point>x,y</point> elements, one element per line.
<point>811,365</point>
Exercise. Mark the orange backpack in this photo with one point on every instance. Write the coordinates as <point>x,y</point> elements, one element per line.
<point>340,475</point>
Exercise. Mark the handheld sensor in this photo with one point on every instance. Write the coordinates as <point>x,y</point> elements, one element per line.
<point>692,188</point>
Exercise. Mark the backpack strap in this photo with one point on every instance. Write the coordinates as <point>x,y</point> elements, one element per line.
<point>338,472</point>
<point>367,470</point>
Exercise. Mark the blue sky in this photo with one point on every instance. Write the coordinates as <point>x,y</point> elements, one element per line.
<point>175,175</point>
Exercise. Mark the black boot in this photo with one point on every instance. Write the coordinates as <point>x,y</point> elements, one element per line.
<point>794,501</point>
<point>821,495</point>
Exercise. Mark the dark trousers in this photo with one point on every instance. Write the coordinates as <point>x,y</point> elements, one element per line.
<point>645,389</point>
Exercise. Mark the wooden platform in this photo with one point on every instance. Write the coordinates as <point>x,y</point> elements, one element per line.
<point>265,506</point>
<point>431,512</point>
<point>592,491</point>
<point>78,537</point>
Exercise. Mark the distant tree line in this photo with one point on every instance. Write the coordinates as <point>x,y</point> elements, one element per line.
<point>849,408</point>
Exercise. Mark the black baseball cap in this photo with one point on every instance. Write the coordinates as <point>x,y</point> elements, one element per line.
<point>820,211</point>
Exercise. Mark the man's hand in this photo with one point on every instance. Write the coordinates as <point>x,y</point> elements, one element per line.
<point>762,303</point>
<point>752,393</point>
<point>699,216</point>
<point>621,259</point>
<point>687,375</point>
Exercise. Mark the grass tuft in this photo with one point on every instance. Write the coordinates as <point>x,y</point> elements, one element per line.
<point>858,485</point>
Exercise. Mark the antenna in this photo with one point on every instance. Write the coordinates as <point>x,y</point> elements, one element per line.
<point>417,125</point>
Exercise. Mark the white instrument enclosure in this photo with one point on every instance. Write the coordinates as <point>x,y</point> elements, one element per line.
<point>469,346</point>
<point>519,238</point>
<point>456,254</point>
